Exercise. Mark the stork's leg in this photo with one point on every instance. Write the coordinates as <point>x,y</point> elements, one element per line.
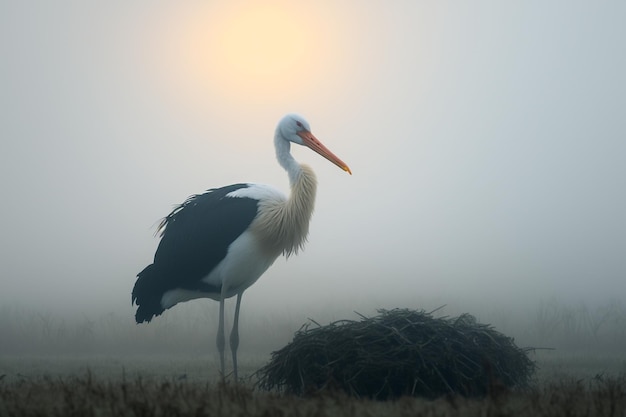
<point>234,334</point>
<point>221,340</point>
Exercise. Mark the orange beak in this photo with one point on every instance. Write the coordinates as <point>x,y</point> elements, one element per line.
<point>312,142</point>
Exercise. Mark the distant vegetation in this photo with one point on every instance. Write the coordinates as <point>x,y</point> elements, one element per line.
<point>189,329</point>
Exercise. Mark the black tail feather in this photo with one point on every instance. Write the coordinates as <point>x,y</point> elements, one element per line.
<point>147,294</point>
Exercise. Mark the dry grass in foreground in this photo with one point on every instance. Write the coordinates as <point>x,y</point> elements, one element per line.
<point>90,396</point>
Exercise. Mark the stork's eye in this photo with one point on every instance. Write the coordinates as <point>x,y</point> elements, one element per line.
<point>299,124</point>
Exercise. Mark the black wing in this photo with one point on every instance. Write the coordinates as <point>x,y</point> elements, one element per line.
<point>195,238</point>
<point>196,235</point>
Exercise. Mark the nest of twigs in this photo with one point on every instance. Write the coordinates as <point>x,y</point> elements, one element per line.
<point>398,352</point>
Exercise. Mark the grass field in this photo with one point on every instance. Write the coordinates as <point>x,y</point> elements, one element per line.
<point>566,385</point>
<point>106,367</point>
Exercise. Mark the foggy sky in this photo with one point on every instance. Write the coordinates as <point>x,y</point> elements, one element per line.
<point>487,141</point>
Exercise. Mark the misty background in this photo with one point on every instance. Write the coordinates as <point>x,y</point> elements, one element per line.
<point>486,140</point>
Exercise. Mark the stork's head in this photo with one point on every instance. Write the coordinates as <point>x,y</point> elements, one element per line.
<point>294,128</point>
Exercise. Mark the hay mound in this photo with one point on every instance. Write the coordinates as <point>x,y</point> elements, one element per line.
<point>399,352</point>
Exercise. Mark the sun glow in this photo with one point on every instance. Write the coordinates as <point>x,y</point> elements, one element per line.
<point>262,42</point>
<point>256,48</point>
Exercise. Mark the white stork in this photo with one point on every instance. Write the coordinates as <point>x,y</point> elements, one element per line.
<point>217,244</point>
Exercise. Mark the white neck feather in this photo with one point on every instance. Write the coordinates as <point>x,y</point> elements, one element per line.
<point>285,159</point>
<point>283,225</point>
